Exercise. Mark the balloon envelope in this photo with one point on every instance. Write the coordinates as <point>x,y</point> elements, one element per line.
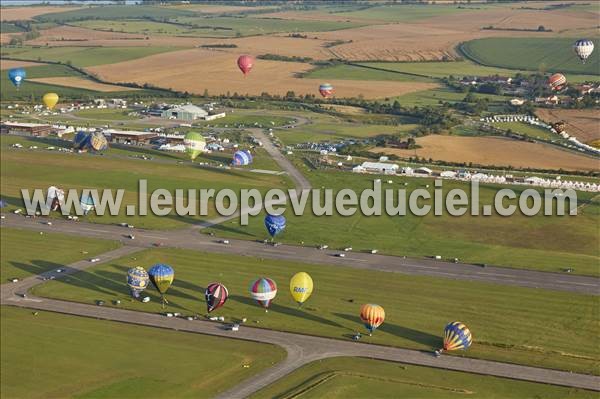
<point>245,63</point>
<point>242,157</point>
<point>97,142</point>
<point>17,76</point>
<point>137,280</point>
<point>583,48</point>
<point>161,276</point>
<point>80,140</point>
<point>457,336</point>
<point>326,90</point>
<point>301,287</point>
<point>263,291</point>
<point>215,294</point>
<point>275,224</point>
<point>194,144</point>
<point>87,203</point>
<point>557,81</point>
<point>372,316</point>
<point>56,196</point>
<point>50,100</point>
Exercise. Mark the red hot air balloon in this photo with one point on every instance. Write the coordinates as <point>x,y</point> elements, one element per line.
<point>557,81</point>
<point>326,90</point>
<point>245,63</point>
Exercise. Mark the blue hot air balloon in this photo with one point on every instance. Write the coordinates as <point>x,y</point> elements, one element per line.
<point>81,140</point>
<point>241,158</point>
<point>87,203</point>
<point>275,224</point>
<point>17,76</point>
<point>161,276</point>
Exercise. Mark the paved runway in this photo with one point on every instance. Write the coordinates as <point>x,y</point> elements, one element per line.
<point>192,239</point>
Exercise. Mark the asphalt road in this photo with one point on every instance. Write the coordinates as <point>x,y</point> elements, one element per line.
<point>301,349</point>
<point>191,239</point>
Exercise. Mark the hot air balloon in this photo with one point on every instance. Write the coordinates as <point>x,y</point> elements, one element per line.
<point>245,63</point>
<point>161,276</point>
<point>326,90</point>
<point>216,294</point>
<point>275,224</point>
<point>557,81</point>
<point>56,197</point>
<point>372,316</point>
<point>194,144</point>
<point>242,157</point>
<point>87,203</point>
<point>583,48</point>
<point>50,100</point>
<point>137,280</point>
<point>80,141</point>
<point>301,287</point>
<point>263,291</point>
<point>97,142</point>
<point>17,76</point>
<point>456,336</point>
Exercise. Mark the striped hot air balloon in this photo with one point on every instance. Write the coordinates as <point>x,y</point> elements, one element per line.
<point>456,336</point>
<point>583,48</point>
<point>372,316</point>
<point>161,276</point>
<point>241,158</point>
<point>326,90</point>
<point>215,294</point>
<point>263,291</point>
<point>557,81</point>
<point>137,280</point>
<point>245,63</point>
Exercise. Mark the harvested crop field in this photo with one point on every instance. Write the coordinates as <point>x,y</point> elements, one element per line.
<point>218,73</point>
<point>495,151</point>
<point>581,123</point>
<point>23,13</point>
<point>8,64</point>
<point>81,83</point>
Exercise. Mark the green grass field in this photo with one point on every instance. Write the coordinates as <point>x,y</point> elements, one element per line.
<point>508,323</point>
<point>547,54</point>
<point>442,94</point>
<point>458,69</point>
<point>538,242</point>
<point>26,252</point>
<point>348,377</point>
<point>24,168</point>
<point>404,13</point>
<point>334,131</point>
<point>83,56</point>
<point>242,119</point>
<point>528,130</point>
<point>33,91</point>
<point>54,355</point>
<point>352,72</point>
<point>113,12</point>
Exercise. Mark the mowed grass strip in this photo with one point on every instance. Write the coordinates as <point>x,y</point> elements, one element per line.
<point>27,252</point>
<point>545,54</point>
<point>31,169</point>
<point>548,243</point>
<point>510,324</point>
<point>352,377</point>
<point>79,357</point>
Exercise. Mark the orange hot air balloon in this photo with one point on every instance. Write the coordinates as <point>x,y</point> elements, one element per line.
<point>245,63</point>
<point>557,81</point>
<point>372,316</point>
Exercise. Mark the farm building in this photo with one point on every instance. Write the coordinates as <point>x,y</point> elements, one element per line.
<point>26,129</point>
<point>129,136</point>
<point>186,112</point>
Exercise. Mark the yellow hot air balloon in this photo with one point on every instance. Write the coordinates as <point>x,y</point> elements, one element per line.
<point>301,287</point>
<point>50,100</point>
